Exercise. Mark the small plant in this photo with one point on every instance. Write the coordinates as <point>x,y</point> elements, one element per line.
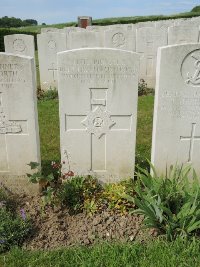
<point>38,177</point>
<point>14,228</point>
<point>51,93</point>
<point>113,195</point>
<point>143,89</point>
<point>170,204</point>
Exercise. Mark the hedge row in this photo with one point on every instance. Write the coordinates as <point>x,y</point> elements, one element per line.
<point>4,32</point>
<point>127,20</point>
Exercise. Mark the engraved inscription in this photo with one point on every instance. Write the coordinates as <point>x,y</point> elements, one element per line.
<point>181,105</point>
<point>191,61</point>
<point>11,73</point>
<point>52,44</point>
<point>103,70</point>
<point>19,45</point>
<point>98,122</point>
<point>118,39</point>
<point>191,139</point>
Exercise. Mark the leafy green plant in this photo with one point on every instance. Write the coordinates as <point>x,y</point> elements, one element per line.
<point>143,89</point>
<point>80,193</point>
<point>51,93</point>
<point>71,194</point>
<point>38,177</point>
<point>113,195</point>
<point>171,203</point>
<point>14,228</point>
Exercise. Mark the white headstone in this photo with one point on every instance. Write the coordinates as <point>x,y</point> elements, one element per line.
<point>145,24</point>
<point>98,111</point>
<point>97,28</point>
<point>193,22</point>
<point>164,24</point>
<point>183,35</point>
<point>49,44</point>
<point>19,135</point>
<point>49,29</point>
<point>124,27</point>
<point>176,131</point>
<point>147,42</point>
<point>68,30</point>
<point>21,44</point>
<point>120,39</point>
<point>84,39</point>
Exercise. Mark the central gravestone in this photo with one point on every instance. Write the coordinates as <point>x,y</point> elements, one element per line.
<point>98,111</point>
<point>176,131</point>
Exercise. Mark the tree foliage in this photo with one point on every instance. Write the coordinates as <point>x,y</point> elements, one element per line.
<point>196,9</point>
<point>6,22</point>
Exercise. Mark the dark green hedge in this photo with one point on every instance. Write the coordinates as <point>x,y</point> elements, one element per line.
<point>127,20</point>
<point>4,32</point>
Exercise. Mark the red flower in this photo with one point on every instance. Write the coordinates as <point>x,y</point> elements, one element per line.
<point>69,173</point>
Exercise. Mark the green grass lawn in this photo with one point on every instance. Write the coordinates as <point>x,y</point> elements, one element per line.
<point>153,254</point>
<point>49,130</point>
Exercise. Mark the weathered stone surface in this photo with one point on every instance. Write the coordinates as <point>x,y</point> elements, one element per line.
<point>147,42</point>
<point>49,44</point>
<point>49,29</point>
<point>176,131</point>
<point>21,44</point>
<point>68,30</point>
<point>98,137</point>
<point>97,28</point>
<point>164,24</point>
<point>124,27</point>
<point>85,39</point>
<point>19,134</point>
<point>183,35</point>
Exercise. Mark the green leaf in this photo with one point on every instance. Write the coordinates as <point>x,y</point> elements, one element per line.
<point>33,165</point>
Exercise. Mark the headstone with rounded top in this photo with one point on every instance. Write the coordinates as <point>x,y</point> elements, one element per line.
<point>176,128</point>
<point>19,134</point>
<point>49,44</point>
<point>21,44</point>
<point>98,91</point>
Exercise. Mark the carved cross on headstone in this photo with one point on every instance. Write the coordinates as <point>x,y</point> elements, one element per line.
<point>192,138</point>
<point>54,70</point>
<point>98,123</point>
<point>7,127</point>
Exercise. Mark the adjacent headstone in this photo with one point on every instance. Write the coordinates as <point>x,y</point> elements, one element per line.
<point>122,27</point>
<point>68,30</point>
<point>49,44</point>
<point>49,29</point>
<point>120,39</point>
<point>145,24</point>
<point>176,130</point>
<point>84,39</point>
<point>19,135</point>
<point>21,44</point>
<point>84,21</point>
<point>164,24</point>
<point>147,42</point>
<point>97,28</point>
<point>183,35</point>
<point>98,91</point>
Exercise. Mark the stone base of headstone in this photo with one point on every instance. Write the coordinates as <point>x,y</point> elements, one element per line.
<point>19,185</point>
